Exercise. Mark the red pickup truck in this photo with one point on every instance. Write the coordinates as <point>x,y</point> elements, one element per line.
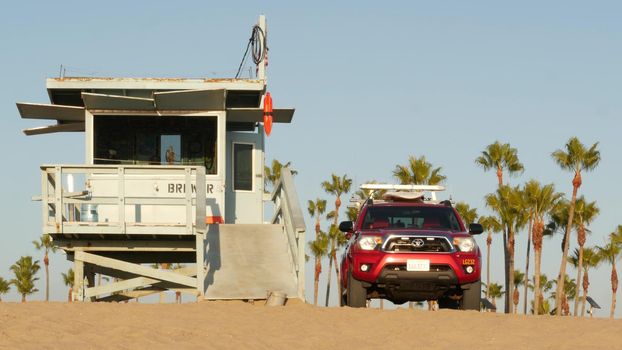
<point>410,248</point>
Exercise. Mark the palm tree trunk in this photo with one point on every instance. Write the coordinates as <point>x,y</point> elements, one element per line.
<point>334,251</point>
<point>585,284</point>
<point>330,274</point>
<point>527,265</point>
<point>511,259</point>
<point>316,278</point>
<point>69,295</point>
<point>536,299</point>
<point>579,270</point>
<point>339,288</point>
<point>614,289</point>
<point>488,243</point>
<point>506,258</point>
<point>46,261</point>
<point>511,253</point>
<point>576,182</point>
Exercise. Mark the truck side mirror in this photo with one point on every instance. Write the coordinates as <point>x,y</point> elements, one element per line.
<point>475,229</point>
<point>346,226</point>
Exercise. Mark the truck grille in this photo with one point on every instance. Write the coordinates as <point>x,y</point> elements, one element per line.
<point>425,244</point>
<point>402,267</point>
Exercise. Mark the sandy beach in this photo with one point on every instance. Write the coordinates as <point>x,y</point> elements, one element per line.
<point>238,325</point>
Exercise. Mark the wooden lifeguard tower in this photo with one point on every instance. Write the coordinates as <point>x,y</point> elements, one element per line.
<point>174,174</point>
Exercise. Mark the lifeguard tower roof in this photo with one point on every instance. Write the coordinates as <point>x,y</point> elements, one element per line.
<point>70,96</point>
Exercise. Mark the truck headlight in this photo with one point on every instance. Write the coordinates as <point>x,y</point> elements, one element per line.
<point>465,244</point>
<point>369,242</point>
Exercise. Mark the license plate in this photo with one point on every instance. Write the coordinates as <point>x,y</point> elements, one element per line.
<point>418,265</point>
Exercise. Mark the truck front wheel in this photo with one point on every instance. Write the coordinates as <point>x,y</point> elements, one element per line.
<point>471,297</point>
<point>356,294</point>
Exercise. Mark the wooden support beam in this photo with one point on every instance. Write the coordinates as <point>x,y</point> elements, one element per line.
<point>78,279</point>
<point>141,293</point>
<point>186,271</point>
<point>119,286</point>
<point>135,269</point>
<point>200,232</point>
<point>121,245</point>
<point>89,273</point>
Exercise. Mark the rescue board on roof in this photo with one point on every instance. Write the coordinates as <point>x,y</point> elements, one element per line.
<point>414,196</point>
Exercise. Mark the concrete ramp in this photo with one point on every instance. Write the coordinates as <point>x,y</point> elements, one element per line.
<point>247,261</point>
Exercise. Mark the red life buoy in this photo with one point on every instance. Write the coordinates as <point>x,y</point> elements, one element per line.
<point>267,114</point>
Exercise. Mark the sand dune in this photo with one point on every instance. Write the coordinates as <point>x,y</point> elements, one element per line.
<point>237,325</point>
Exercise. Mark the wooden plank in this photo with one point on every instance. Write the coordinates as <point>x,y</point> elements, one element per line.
<point>119,286</point>
<point>136,269</point>
<point>121,209</point>
<point>84,228</point>
<point>116,102</point>
<point>196,100</point>
<point>50,111</point>
<point>125,245</point>
<point>50,129</point>
<point>78,280</point>
<point>201,231</point>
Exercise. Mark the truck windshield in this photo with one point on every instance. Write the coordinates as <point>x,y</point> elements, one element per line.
<point>415,217</point>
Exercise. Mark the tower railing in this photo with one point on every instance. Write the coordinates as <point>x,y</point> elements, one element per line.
<point>288,213</point>
<point>70,200</point>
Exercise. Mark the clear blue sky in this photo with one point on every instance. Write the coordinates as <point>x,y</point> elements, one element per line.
<point>372,84</point>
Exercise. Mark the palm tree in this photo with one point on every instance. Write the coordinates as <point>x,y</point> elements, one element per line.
<point>591,259</point>
<point>272,173</point>
<point>418,171</point>
<point>25,271</point>
<point>507,202</point>
<point>540,200</point>
<point>586,213</point>
<point>337,186</point>
<point>491,225</point>
<point>576,158</point>
<point>500,157</point>
<point>316,209</point>
<point>5,286</point>
<point>519,279</point>
<point>569,292</point>
<point>495,292</point>
<point>542,303</point>
<point>319,249</point>
<point>45,243</point>
<point>530,192</point>
<point>468,214</point>
<point>68,279</point>
<point>610,252</point>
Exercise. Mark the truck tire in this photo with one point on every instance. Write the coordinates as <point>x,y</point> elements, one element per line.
<point>471,297</point>
<point>356,294</point>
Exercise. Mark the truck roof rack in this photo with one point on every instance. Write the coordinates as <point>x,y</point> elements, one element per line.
<point>402,192</point>
<point>431,188</point>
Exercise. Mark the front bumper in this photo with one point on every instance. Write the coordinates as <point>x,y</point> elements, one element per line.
<point>446,269</point>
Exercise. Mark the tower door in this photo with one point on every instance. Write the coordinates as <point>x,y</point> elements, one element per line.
<point>244,183</point>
